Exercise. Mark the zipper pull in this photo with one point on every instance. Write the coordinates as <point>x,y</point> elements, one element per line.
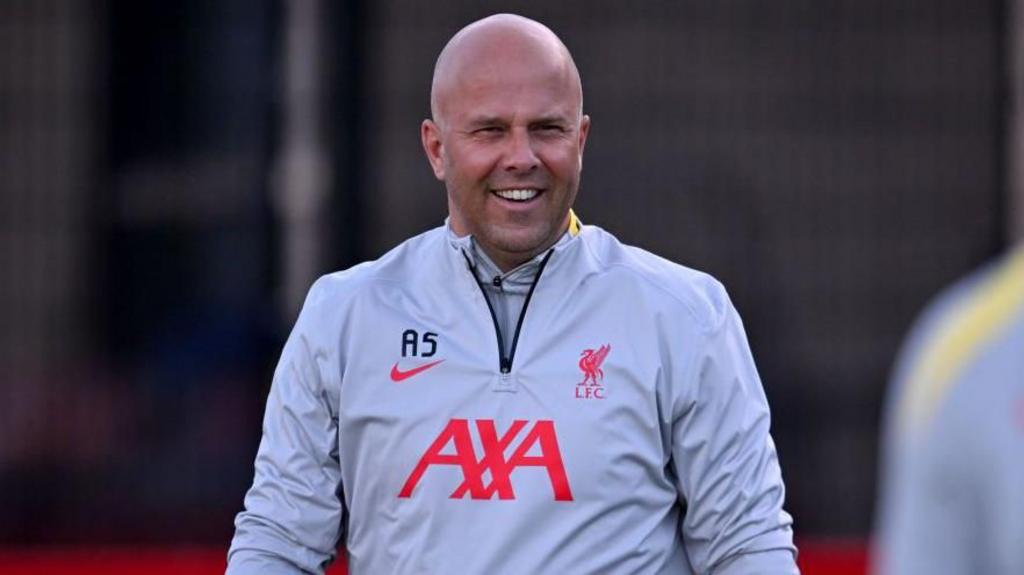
<point>505,382</point>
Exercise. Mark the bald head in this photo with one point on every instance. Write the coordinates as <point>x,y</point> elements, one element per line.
<point>487,48</point>
<point>507,136</point>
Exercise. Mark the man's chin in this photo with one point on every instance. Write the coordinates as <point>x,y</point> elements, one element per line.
<point>520,246</point>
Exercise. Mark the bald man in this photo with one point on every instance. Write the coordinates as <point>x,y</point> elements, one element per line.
<point>515,392</point>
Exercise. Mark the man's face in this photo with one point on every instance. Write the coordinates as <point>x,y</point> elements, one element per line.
<point>508,143</point>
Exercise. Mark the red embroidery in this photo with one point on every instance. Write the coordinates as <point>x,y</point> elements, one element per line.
<point>590,363</point>
<point>457,433</point>
<point>398,375</point>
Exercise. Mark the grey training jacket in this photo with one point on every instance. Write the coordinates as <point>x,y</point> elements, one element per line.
<point>625,432</point>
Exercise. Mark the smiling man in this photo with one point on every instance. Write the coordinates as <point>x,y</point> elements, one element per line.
<point>507,136</point>
<point>617,426</point>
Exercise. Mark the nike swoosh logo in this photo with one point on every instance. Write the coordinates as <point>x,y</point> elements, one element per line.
<point>399,375</point>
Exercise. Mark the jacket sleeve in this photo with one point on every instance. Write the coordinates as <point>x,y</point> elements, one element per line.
<point>293,511</point>
<point>725,463</point>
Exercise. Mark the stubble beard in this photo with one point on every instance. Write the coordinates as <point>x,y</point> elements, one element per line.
<point>517,243</point>
<point>510,243</point>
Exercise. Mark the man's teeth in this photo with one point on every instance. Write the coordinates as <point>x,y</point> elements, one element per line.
<point>517,195</point>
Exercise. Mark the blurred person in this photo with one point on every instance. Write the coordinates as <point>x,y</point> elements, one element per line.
<point>618,426</point>
<point>953,469</point>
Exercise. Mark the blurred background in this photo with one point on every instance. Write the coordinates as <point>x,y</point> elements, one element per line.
<point>175,175</point>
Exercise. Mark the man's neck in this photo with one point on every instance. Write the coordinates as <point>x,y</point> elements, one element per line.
<point>507,262</point>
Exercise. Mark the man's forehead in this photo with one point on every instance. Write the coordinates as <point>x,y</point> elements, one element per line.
<point>476,118</point>
<point>511,98</point>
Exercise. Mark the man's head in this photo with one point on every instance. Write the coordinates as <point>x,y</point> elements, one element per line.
<point>507,135</point>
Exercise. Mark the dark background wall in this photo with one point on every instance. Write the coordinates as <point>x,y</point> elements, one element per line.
<point>833,164</point>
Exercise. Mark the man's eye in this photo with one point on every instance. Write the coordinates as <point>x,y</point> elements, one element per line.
<point>551,128</point>
<point>488,130</point>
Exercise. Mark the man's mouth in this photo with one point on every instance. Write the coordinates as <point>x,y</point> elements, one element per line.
<point>517,194</point>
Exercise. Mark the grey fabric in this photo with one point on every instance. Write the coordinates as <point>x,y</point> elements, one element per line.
<point>953,482</point>
<point>546,469</point>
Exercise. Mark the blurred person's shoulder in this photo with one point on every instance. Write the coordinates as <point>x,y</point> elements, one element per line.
<point>703,297</point>
<point>970,335</point>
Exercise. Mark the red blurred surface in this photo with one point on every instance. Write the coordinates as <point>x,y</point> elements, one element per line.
<point>817,557</point>
<point>119,561</point>
<point>833,556</point>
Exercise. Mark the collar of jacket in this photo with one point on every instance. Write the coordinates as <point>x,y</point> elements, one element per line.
<point>572,264</point>
<point>521,274</point>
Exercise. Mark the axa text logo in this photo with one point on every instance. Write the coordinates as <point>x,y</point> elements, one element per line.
<point>498,469</point>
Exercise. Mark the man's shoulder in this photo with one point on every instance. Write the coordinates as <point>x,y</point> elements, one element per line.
<point>698,292</point>
<point>399,266</point>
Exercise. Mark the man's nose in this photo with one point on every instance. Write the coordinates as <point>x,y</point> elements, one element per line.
<point>520,155</point>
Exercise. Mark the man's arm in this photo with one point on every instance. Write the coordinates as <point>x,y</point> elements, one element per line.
<point>293,511</point>
<point>725,462</point>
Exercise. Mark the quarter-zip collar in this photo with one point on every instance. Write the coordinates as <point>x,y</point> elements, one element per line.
<point>507,294</point>
<point>518,279</point>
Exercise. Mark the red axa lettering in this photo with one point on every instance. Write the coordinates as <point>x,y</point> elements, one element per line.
<point>456,434</point>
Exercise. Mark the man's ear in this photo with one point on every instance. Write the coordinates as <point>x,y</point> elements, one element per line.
<point>584,130</point>
<point>430,136</point>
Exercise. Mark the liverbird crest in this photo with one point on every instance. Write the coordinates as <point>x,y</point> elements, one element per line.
<point>590,363</point>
